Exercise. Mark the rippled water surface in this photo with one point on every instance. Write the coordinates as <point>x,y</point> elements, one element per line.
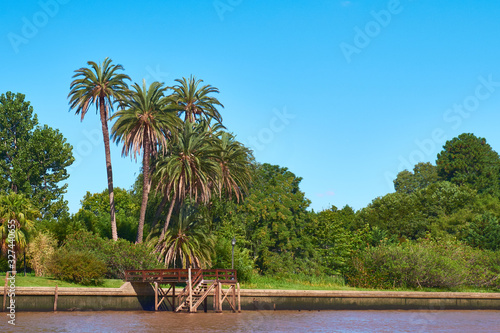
<point>257,321</point>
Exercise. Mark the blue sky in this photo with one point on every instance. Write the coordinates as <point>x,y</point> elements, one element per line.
<point>343,93</point>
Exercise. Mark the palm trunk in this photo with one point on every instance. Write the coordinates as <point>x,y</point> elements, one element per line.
<point>167,222</point>
<point>105,134</point>
<point>159,210</point>
<point>145,192</point>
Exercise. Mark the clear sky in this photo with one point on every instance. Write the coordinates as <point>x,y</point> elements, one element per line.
<point>343,93</point>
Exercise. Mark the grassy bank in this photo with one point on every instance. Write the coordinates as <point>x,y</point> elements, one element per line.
<point>35,281</point>
<point>257,282</point>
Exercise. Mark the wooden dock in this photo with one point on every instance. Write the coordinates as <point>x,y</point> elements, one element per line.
<point>200,283</point>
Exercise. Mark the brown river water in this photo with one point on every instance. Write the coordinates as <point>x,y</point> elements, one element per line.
<point>257,321</point>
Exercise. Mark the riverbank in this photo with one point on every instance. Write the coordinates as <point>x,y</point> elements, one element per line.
<point>139,296</point>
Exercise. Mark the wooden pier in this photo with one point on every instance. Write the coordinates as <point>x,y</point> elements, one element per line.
<point>200,283</point>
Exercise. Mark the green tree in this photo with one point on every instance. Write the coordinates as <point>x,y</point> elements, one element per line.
<point>101,85</point>
<point>194,101</point>
<point>276,222</point>
<point>189,169</point>
<point>144,125</point>
<point>95,212</point>
<point>187,244</point>
<point>332,240</point>
<point>422,176</point>
<point>469,160</point>
<point>33,158</point>
<point>16,208</point>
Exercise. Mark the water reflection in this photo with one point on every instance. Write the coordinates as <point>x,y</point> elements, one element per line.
<point>258,321</point>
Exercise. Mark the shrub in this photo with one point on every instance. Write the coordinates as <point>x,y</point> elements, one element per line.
<point>77,266</point>
<point>243,263</point>
<point>424,264</point>
<point>40,252</point>
<point>118,256</point>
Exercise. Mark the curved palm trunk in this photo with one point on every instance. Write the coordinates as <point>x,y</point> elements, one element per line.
<point>145,192</point>
<point>159,210</point>
<point>167,222</point>
<point>105,134</point>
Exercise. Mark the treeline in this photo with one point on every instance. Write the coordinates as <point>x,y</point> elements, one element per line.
<point>200,189</point>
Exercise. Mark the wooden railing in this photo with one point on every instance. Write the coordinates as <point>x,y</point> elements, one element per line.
<point>178,275</point>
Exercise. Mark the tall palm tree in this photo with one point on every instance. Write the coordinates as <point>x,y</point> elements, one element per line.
<point>194,101</point>
<point>235,166</point>
<point>101,85</point>
<point>17,208</point>
<point>143,125</point>
<point>189,170</point>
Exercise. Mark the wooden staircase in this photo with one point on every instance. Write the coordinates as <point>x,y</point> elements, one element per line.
<point>199,294</point>
<point>200,283</point>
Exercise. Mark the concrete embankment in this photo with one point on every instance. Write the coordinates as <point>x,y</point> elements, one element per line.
<point>141,297</point>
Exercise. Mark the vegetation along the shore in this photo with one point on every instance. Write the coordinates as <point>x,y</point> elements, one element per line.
<point>200,187</point>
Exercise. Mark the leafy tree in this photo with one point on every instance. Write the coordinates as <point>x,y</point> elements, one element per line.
<point>413,215</point>
<point>194,102</point>
<point>469,160</point>
<point>276,221</point>
<point>484,232</point>
<point>144,125</point>
<point>101,85</point>
<point>94,213</point>
<point>332,240</point>
<point>33,158</point>
<point>422,176</point>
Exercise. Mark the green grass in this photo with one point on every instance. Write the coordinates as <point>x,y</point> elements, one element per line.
<point>298,282</point>
<point>35,281</point>
<point>302,282</point>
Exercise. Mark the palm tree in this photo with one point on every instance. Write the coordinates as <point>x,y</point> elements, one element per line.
<point>144,125</point>
<point>15,207</point>
<point>101,85</point>
<point>235,166</point>
<point>195,102</point>
<point>187,244</point>
<point>189,170</point>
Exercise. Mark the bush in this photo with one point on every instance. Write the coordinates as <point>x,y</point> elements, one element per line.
<point>243,263</point>
<point>40,252</point>
<point>77,266</point>
<point>424,264</point>
<point>118,256</point>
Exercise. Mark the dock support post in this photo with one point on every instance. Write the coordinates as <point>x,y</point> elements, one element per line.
<point>239,301</point>
<point>190,288</point>
<point>233,298</point>
<point>173,298</point>
<point>55,297</point>
<point>219,297</point>
<point>156,296</point>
